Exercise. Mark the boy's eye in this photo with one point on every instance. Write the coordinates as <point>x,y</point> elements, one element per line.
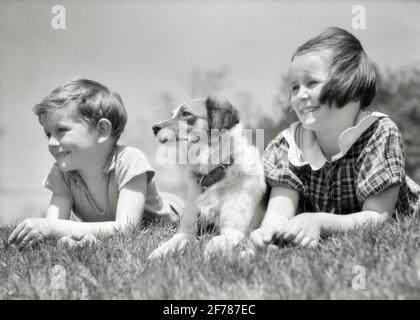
<point>47,134</point>
<point>61,130</point>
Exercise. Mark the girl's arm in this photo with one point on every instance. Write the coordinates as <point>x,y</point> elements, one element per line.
<point>130,208</point>
<point>306,228</point>
<point>375,210</point>
<point>282,207</point>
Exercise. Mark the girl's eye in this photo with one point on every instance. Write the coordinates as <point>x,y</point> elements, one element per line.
<point>295,88</point>
<point>47,134</point>
<point>313,83</point>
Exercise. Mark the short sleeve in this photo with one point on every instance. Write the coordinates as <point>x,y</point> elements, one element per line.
<point>58,184</point>
<point>382,162</point>
<point>277,168</point>
<point>131,162</point>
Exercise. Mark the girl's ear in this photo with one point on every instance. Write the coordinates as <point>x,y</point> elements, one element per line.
<point>104,128</point>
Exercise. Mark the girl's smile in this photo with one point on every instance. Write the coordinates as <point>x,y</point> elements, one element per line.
<point>309,73</point>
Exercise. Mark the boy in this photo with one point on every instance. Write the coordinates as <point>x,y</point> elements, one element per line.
<point>107,186</point>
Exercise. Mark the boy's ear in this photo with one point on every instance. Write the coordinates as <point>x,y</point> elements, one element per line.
<point>104,128</point>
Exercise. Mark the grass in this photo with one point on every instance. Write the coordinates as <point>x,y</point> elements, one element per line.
<point>119,269</point>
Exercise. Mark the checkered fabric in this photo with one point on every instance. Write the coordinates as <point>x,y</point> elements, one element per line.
<point>374,163</point>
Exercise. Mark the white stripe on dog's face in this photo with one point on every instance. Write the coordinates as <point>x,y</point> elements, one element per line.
<point>175,111</point>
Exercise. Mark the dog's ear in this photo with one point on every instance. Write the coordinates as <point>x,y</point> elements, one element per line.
<point>221,114</point>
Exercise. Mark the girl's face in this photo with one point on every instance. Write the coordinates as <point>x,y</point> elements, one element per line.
<point>72,142</point>
<point>309,72</point>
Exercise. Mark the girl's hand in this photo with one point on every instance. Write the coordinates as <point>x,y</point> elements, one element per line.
<point>304,230</point>
<point>266,235</point>
<point>31,231</point>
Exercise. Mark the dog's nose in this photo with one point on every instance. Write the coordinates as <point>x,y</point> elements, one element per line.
<point>156,128</point>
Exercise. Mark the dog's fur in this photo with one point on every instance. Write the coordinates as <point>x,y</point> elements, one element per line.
<point>234,205</point>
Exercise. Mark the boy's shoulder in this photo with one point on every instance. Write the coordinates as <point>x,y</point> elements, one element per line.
<point>127,156</point>
<point>124,152</point>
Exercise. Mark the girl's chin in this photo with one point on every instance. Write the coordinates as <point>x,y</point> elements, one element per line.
<point>307,119</point>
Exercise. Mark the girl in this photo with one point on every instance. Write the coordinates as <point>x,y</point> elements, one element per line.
<point>341,165</point>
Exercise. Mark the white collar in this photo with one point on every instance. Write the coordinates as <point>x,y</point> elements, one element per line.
<point>304,148</point>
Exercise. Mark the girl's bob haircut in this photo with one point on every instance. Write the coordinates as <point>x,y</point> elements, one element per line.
<point>352,75</point>
<point>93,102</point>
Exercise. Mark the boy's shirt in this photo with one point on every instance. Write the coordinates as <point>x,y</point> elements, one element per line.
<point>124,164</point>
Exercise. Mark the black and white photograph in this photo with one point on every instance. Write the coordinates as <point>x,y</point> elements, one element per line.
<point>209,150</point>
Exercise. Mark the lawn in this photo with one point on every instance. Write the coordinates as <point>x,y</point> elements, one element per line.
<point>374,263</point>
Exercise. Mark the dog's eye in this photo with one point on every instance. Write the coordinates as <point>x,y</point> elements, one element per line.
<point>186,114</point>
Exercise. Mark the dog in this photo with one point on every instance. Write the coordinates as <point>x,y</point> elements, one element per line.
<point>225,183</point>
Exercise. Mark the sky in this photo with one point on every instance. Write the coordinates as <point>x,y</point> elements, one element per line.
<point>142,49</point>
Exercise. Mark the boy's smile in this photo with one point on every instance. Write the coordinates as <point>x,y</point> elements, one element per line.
<point>71,141</point>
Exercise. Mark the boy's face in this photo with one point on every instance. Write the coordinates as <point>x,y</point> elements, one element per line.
<point>309,72</point>
<point>71,141</point>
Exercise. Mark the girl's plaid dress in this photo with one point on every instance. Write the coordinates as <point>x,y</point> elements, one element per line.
<point>371,160</point>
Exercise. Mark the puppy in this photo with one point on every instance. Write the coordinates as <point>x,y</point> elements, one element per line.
<point>226,186</point>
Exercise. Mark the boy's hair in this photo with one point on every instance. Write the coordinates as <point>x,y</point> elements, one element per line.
<point>93,102</point>
<point>352,75</point>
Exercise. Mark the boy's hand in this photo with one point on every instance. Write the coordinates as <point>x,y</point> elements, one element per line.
<point>176,244</point>
<point>31,231</point>
<point>264,236</point>
<point>304,230</point>
<point>78,241</point>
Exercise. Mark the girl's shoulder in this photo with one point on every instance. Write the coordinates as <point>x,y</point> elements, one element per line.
<point>382,129</point>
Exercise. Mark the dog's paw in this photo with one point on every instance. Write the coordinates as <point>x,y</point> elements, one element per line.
<point>218,245</point>
<point>176,244</point>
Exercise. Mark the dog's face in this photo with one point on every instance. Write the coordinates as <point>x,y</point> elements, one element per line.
<point>193,121</point>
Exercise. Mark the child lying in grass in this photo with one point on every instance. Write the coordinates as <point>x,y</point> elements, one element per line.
<point>342,165</point>
<point>106,185</point>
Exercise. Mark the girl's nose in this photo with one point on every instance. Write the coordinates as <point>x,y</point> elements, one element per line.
<point>302,94</point>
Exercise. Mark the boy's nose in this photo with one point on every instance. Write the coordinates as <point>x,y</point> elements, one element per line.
<point>156,128</point>
<point>52,142</point>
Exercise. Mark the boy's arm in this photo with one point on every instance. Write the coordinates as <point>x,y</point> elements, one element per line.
<point>130,208</point>
<point>282,207</point>
<point>33,230</point>
<point>59,208</point>
<point>309,227</point>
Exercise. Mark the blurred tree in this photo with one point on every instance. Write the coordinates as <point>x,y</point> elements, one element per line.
<point>203,83</point>
<point>281,114</point>
<point>398,96</point>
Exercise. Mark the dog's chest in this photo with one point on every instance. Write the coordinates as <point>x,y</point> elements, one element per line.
<point>210,202</point>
